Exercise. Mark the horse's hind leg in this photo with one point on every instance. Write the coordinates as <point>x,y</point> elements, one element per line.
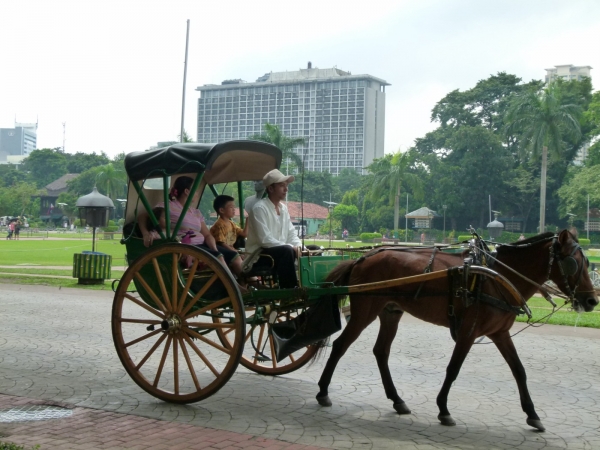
<point>461,349</point>
<point>387,332</point>
<point>507,348</point>
<point>359,320</point>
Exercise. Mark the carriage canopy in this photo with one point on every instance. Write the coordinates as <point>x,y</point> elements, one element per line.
<point>226,162</point>
<point>240,160</point>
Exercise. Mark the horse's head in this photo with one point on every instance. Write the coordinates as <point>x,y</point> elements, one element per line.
<point>569,271</point>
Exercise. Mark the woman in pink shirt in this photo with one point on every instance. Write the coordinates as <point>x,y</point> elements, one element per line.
<point>193,228</point>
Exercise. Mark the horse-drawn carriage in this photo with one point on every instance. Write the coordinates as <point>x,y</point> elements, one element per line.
<point>181,330</point>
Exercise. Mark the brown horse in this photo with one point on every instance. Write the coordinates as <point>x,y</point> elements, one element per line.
<point>533,261</point>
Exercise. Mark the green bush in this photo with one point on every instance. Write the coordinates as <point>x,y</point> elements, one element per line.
<point>367,237</point>
<point>584,242</point>
<point>464,237</point>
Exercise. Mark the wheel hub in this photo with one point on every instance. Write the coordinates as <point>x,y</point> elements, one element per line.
<point>171,324</point>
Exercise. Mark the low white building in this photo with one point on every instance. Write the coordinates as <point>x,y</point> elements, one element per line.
<point>568,72</point>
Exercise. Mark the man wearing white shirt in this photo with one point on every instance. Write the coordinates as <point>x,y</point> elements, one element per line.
<point>270,228</point>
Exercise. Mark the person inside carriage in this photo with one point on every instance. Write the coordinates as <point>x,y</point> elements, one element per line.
<point>225,231</point>
<point>271,232</point>
<point>193,229</point>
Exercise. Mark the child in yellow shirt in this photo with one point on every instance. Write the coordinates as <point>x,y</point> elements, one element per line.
<point>225,231</point>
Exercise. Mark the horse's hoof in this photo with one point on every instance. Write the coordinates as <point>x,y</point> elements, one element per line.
<point>447,420</point>
<point>324,400</point>
<point>536,423</point>
<point>401,408</point>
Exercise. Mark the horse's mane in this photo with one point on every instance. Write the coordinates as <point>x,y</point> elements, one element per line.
<point>527,242</point>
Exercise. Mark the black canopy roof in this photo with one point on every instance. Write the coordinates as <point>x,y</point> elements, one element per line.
<point>236,157</point>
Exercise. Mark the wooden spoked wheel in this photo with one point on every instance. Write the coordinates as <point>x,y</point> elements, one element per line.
<point>259,349</point>
<point>165,333</point>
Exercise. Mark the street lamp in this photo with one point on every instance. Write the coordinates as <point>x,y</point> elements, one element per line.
<point>94,210</point>
<point>330,206</point>
<point>123,202</point>
<point>444,208</point>
<point>495,227</point>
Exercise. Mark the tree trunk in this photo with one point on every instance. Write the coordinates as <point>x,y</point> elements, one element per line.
<point>397,208</point>
<point>543,190</point>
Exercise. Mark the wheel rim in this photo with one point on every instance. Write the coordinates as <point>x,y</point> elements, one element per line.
<point>165,334</point>
<point>259,346</point>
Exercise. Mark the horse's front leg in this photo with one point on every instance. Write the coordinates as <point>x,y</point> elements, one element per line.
<point>387,332</point>
<point>507,348</point>
<point>362,314</point>
<point>461,349</point>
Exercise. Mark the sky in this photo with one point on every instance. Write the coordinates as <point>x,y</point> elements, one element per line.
<point>112,71</point>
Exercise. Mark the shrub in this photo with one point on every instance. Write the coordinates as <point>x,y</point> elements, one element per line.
<point>584,242</point>
<point>464,237</point>
<point>368,237</point>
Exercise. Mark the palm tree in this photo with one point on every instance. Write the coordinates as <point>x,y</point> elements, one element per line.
<point>389,174</point>
<point>542,120</point>
<point>111,180</point>
<point>274,135</point>
<point>185,138</point>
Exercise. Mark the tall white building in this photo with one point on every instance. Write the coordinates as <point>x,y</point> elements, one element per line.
<point>341,115</point>
<point>568,72</point>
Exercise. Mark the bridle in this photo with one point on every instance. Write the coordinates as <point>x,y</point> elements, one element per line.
<point>568,266</point>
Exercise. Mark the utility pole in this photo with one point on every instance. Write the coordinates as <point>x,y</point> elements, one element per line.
<point>187,39</point>
<point>64,134</point>
<point>543,190</point>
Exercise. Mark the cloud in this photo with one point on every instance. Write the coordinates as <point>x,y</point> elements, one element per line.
<point>113,71</point>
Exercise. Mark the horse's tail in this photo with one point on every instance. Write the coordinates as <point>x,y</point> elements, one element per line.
<point>339,276</point>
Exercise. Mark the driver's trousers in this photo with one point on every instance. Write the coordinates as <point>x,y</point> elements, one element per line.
<point>284,257</point>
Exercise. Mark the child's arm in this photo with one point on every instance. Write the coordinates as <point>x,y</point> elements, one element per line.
<point>243,233</point>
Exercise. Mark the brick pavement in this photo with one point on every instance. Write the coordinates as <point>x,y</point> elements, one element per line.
<point>55,346</point>
<point>89,429</point>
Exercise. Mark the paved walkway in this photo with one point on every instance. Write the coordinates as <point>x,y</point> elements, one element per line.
<point>56,348</point>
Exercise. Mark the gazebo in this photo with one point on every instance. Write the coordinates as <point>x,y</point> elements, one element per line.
<point>423,217</point>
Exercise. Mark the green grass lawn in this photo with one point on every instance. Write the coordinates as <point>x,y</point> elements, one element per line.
<point>540,308</point>
<point>60,253</point>
<point>55,252</point>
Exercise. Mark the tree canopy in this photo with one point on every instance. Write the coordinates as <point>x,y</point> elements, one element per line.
<point>273,135</point>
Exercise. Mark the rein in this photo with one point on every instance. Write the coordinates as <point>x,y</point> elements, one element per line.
<point>562,262</point>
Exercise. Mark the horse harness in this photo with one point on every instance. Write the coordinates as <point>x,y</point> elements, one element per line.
<point>469,290</point>
<point>460,287</point>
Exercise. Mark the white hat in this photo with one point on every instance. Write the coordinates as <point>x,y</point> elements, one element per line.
<point>275,176</point>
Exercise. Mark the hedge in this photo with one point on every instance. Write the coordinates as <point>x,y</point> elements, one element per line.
<point>369,236</point>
